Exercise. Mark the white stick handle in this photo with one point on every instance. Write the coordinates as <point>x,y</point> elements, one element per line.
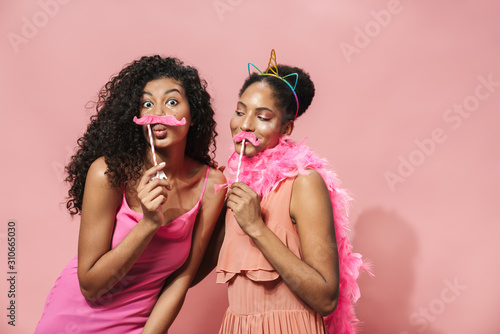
<point>160,174</point>
<point>242,152</point>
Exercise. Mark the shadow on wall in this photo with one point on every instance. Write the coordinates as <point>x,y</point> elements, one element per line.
<point>391,244</point>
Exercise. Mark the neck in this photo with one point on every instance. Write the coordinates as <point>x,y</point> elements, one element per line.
<point>173,157</point>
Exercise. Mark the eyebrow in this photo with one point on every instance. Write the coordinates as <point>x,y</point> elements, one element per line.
<point>258,109</point>
<point>167,92</point>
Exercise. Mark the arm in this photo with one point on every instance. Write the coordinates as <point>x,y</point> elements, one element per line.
<point>314,278</point>
<point>99,266</point>
<point>213,248</point>
<point>211,257</point>
<point>172,297</point>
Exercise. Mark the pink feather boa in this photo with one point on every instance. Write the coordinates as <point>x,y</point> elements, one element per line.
<point>263,173</point>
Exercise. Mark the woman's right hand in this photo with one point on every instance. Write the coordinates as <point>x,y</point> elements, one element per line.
<point>153,194</point>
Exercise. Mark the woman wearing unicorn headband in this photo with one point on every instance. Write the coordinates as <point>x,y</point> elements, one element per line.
<point>143,186</point>
<point>286,256</point>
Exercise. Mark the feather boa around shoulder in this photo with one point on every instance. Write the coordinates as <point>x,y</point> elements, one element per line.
<point>264,172</point>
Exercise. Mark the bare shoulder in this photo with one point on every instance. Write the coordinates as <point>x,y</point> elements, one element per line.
<point>215,176</point>
<point>98,170</point>
<point>312,181</point>
<point>310,196</point>
<point>98,182</point>
<point>212,192</point>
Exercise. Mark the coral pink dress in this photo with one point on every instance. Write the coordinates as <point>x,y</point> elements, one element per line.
<point>259,300</point>
<point>126,307</point>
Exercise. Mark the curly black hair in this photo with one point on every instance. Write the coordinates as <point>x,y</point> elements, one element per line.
<point>113,135</point>
<point>282,92</point>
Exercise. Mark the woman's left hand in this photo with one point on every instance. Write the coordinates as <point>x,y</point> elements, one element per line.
<point>245,204</point>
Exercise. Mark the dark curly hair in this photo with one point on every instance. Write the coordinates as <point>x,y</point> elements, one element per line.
<point>112,133</point>
<point>282,92</point>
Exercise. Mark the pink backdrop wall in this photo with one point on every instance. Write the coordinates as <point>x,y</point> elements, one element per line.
<point>408,95</point>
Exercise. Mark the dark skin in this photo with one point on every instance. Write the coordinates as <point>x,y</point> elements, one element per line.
<point>315,277</point>
<point>159,200</point>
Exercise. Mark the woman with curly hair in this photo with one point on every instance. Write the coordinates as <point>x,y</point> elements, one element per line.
<point>142,237</point>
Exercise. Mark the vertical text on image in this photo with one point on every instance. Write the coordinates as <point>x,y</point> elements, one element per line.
<point>11,272</point>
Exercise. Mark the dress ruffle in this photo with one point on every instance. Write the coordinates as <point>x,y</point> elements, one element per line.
<point>242,256</point>
<point>251,262</point>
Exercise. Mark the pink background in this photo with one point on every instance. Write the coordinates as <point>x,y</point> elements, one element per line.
<point>388,75</point>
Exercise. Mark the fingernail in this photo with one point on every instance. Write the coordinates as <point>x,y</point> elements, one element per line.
<point>161,163</point>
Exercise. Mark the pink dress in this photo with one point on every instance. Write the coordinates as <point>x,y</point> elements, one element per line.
<point>259,301</point>
<point>126,307</point>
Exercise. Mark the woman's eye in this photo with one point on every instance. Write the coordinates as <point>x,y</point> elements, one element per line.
<point>239,113</point>
<point>262,118</point>
<point>147,104</point>
<point>172,102</point>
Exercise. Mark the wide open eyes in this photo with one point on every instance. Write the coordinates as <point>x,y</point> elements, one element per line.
<point>172,102</point>
<point>148,104</point>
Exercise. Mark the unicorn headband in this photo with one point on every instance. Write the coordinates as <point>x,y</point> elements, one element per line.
<point>272,70</point>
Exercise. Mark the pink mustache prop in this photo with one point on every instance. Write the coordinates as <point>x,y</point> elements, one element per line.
<point>149,119</point>
<point>248,136</point>
<point>152,119</point>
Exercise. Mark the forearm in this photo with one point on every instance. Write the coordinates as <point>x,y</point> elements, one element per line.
<point>174,292</point>
<point>167,308</point>
<point>209,261</point>
<point>305,281</point>
<point>112,266</point>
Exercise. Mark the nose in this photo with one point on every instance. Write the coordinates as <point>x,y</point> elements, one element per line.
<point>159,110</point>
<point>247,123</point>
